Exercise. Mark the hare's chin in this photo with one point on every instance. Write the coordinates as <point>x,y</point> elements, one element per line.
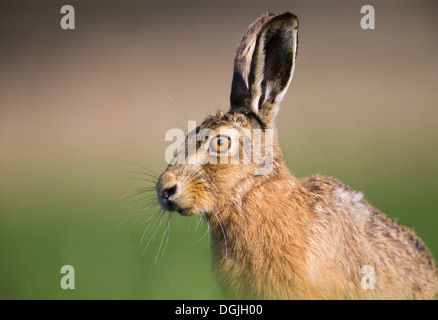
<point>171,206</point>
<point>184,212</point>
<point>188,211</point>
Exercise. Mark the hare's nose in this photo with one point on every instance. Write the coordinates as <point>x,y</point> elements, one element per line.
<point>169,192</point>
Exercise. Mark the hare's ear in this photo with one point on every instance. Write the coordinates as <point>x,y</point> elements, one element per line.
<point>264,65</point>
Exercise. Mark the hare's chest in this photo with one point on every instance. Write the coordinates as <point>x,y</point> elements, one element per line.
<point>251,270</point>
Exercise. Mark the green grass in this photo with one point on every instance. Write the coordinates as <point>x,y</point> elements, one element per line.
<point>40,235</point>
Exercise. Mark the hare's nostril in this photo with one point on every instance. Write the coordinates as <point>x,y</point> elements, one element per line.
<point>167,193</point>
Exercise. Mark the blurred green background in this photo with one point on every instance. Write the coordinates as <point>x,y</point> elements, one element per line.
<point>76,105</point>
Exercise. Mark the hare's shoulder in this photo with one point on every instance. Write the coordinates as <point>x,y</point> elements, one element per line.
<point>331,189</point>
<point>339,201</point>
<point>336,198</point>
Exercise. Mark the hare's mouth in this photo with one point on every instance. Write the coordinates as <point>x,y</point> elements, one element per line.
<point>167,204</point>
<point>172,205</point>
<point>182,211</point>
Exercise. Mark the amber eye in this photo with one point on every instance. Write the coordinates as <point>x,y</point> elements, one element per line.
<point>220,144</point>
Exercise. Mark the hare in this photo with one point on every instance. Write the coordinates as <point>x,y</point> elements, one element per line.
<point>273,235</point>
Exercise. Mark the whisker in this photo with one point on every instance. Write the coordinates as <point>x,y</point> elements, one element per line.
<point>173,101</point>
<point>137,172</point>
<point>144,221</point>
<point>155,216</point>
<point>155,232</point>
<point>129,216</point>
<point>239,209</point>
<point>124,220</point>
<point>148,206</point>
<point>140,179</point>
<point>136,219</point>
<point>162,238</point>
<point>178,124</point>
<point>146,198</point>
<point>136,192</point>
<point>149,200</point>
<point>223,233</point>
<point>155,175</point>
<point>206,232</point>
<point>148,203</point>
<point>197,224</point>
<point>168,235</point>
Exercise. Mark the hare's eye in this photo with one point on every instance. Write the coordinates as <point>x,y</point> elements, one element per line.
<point>220,144</point>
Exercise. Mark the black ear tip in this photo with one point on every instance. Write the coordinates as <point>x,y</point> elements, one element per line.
<point>289,18</point>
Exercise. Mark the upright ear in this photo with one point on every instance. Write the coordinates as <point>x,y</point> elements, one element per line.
<point>264,64</point>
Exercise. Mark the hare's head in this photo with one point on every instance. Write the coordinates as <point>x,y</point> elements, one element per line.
<point>225,155</point>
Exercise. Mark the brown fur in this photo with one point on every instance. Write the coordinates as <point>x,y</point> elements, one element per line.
<point>276,236</point>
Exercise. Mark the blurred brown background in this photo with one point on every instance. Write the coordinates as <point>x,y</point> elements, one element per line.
<point>101,89</point>
<point>76,103</point>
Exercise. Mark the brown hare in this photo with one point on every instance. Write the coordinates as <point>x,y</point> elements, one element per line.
<point>275,236</point>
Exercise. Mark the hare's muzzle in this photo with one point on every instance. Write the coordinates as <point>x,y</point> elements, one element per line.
<point>168,193</point>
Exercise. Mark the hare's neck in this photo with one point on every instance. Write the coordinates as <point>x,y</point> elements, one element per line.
<point>252,198</point>
<point>247,234</point>
<point>242,220</point>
